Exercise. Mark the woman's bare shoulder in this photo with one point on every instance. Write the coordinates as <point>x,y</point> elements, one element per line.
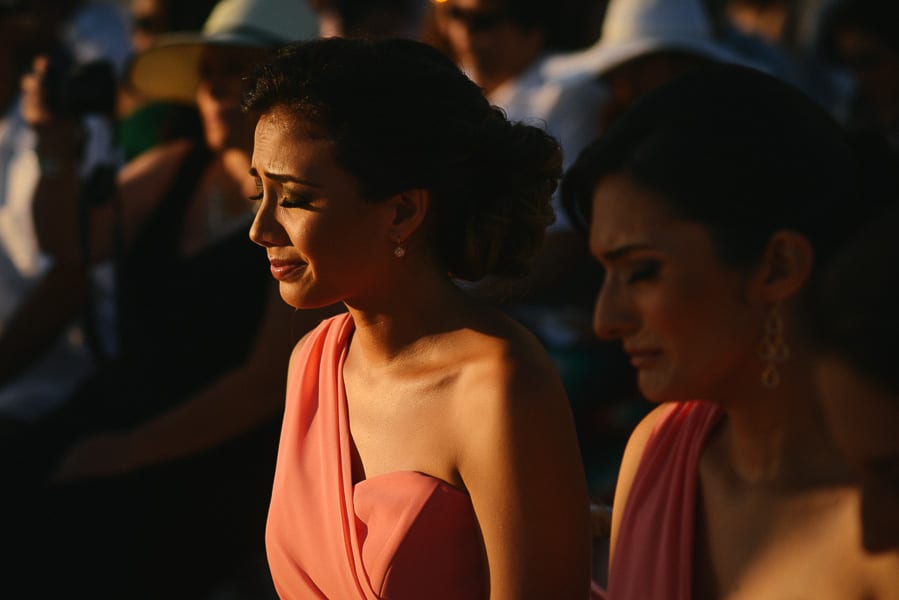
<point>506,357</point>
<point>508,383</point>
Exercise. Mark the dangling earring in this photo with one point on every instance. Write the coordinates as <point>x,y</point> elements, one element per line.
<point>399,251</point>
<point>773,348</point>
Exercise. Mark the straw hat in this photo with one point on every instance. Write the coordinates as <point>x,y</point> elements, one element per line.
<point>169,69</point>
<point>632,28</point>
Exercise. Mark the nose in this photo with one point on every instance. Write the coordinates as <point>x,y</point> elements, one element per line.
<point>265,230</point>
<point>613,317</point>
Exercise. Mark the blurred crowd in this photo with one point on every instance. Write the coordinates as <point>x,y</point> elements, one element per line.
<point>143,343</point>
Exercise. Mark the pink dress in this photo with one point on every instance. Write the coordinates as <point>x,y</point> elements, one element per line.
<point>654,551</point>
<point>395,536</point>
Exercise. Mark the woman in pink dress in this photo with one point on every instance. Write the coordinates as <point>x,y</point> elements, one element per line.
<point>428,448</point>
<point>710,205</point>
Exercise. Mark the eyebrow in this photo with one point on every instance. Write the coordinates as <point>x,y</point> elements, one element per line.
<point>282,177</point>
<point>622,251</point>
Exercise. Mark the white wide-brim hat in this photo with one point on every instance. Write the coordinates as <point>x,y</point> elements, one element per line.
<point>169,70</point>
<point>633,28</point>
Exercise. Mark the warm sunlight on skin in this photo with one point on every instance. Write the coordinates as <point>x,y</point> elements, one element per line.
<point>679,312</point>
<point>864,420</point>
<point>315,226</point>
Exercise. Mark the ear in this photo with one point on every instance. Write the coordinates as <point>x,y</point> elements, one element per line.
<point>785,267</point>
<point>408,210</point>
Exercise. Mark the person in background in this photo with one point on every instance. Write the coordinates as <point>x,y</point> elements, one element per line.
<point>780,35</point>
<point>855,328</point>
<point>507,48</point>
<point>142,124</point>
<point>154,477</point>
<point>371,18</point>
<point>428,449</point>
<point>861,38</point>
<point>711,203</point>
<point>56,316</point>
<point>642,45</point>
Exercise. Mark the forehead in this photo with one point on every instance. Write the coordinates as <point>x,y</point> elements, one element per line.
<point>283,143</point>
<point>623,209</point>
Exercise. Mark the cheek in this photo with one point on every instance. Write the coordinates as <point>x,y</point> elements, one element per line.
<point>337,244</point>
<point>314,241</point>
<point>705,343</point>
<point>676,315</point>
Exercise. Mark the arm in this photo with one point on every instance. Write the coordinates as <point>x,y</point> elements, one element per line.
<point>522,467</point>
<point>224,410</point>
<point>61,293</point>
<point>633,453</point>
<point>40,318</point>
<point>58,296</point>
<point>56,200</point>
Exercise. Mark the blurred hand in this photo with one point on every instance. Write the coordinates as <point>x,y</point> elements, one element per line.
<point>35,106</point>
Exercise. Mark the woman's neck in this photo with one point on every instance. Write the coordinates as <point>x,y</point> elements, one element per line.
<point>403,325</point>
<point>779,437</point>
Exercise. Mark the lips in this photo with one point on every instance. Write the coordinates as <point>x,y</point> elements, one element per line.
<point>284,270</point>
<point>641,359</point>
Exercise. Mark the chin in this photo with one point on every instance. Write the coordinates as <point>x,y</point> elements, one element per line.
<point>304,302</point>
<point>659,394</point>
<point>653,390</point>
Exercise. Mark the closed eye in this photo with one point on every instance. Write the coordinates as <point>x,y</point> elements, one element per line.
<point>646,271</point>
<point>298,200</point>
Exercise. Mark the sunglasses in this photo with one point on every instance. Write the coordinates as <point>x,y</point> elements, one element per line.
<point>475,20</point>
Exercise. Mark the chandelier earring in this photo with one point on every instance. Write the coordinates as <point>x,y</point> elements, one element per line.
<point>399,250</point>
<point>773,348</point>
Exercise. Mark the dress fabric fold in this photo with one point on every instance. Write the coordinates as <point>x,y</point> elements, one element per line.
<point>654,553</point>
<point>399,535</point>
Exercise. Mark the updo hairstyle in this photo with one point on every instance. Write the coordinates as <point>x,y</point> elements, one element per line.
<point>403,116</point>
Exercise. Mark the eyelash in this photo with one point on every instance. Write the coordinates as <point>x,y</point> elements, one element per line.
<point>644,272</point>
<point>298,202</point>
